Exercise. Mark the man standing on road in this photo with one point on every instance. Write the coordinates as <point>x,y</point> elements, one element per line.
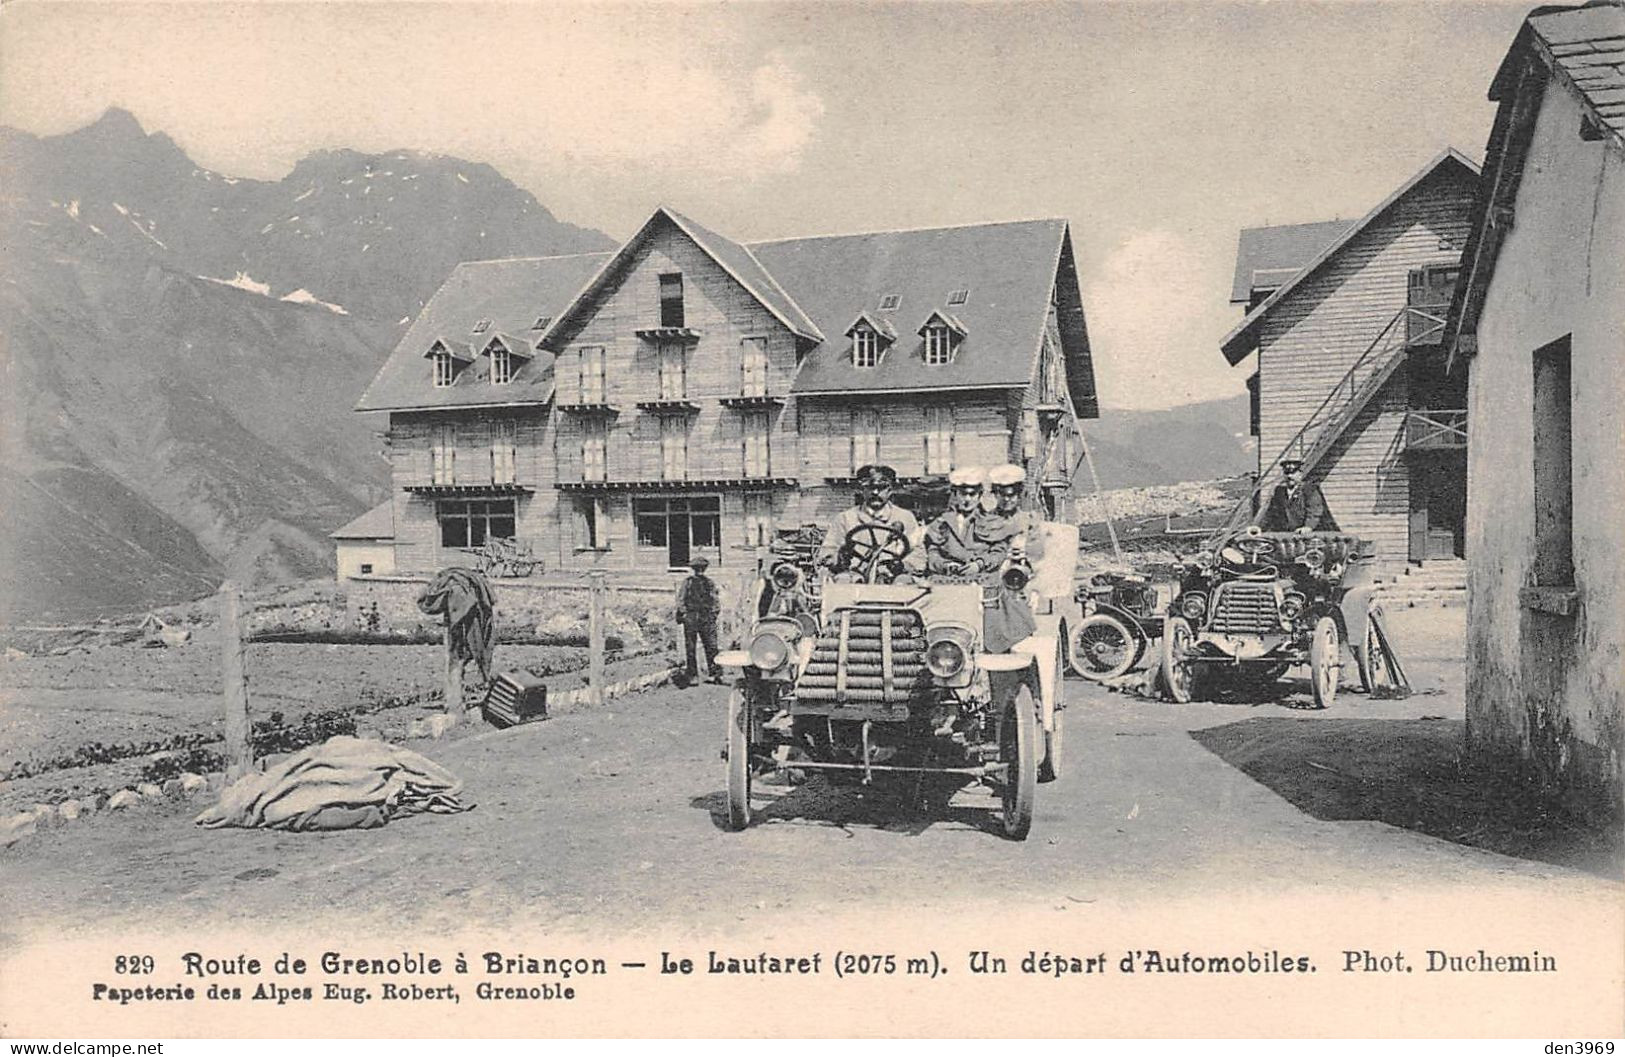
<point>1011,538</point>
<point>1295,505</point>
<point>697,605</point>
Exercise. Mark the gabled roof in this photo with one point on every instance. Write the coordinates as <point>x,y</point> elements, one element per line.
<point>460,350</point>
<point>1585,48</point>
<point>1244,337</point>
<point>732,257</point>
<point>1582,49</point>
<point>516,346</point>
<point>942,317</point>
<point>1269,256</point>
<point>376,524</point>
<point>1009,268</point>
<point>510,293</point>
<point>880,326</point>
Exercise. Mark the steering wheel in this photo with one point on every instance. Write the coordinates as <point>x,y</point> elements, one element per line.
<point>869,544</point>
<point>1256,548</point>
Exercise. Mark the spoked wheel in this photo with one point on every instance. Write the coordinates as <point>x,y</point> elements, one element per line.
<point>1105,647</point>
<point>1325,661</point>
<point>740,722</point>
<point>1018,750</point>
<point>1368,658</point>
<point>1049,768</point>
<point>1178,673</point>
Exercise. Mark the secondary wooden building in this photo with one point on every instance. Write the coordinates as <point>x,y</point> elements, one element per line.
<point>1347,318</point>
<point>687,394</point>
<point>1539,327</point>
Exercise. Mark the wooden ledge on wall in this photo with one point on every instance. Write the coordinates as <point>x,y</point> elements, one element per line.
<point>1559,601</point>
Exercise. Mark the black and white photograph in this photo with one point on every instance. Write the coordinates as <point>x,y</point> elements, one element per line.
<point>787,519</point>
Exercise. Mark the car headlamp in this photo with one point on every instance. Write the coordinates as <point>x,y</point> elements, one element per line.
<point>768,651</point>
<point>947,651</point>
<point>1192,605</point>
<point>1292,603</point>
<point>786,577</point>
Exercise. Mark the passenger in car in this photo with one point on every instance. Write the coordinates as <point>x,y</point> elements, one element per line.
<point>949,547</point>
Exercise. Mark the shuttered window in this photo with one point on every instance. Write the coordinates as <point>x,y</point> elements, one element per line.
<point>755,426</point>
<point>939,439</point>
<point>502,452</point>
<point>674,448</point>
<point>865,437</point>
<point>594,461</point>
<point>673,371</point>
<point>443,454</point>
<point>758,519</point>
<point>590,387</point>
<point>753,367</point>
<point>592,522</point>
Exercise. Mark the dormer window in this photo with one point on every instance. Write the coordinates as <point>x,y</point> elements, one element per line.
<point>942,334</point>
<point>444,370</point>
<point>671,300</point>
<point>501,364</point>
<point>865,349</point>
<point>446,358</point>
<point>869,337</point>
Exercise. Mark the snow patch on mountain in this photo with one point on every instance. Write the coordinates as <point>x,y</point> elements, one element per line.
<point>302,296</point>
<point>242,281</point>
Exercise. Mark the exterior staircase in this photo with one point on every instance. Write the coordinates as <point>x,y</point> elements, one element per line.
<point>1343,402</point>
<point>1440,582</point>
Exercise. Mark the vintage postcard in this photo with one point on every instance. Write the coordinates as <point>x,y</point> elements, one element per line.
<point>795,519</point>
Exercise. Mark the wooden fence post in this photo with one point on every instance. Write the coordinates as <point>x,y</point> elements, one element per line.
<point>454,679</point>
<point>595,636</point>
<point>239,749</point>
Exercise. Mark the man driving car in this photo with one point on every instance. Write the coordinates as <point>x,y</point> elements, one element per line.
<point>848,553</point>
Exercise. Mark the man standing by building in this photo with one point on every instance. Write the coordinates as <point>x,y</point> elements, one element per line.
<point>1295,505</point>
<point>849,555</point>
<point>697,606</point>
<point>949,548</point>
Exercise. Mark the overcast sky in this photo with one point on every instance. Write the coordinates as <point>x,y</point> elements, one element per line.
<point>1158,129</point>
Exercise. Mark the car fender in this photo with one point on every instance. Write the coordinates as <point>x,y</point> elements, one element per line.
<point>1039,657</point>
<point>1355,610</point>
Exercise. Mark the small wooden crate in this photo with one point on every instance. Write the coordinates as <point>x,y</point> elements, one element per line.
<point>514,698</point>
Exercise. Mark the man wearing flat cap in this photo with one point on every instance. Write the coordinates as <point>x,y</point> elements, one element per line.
<point>949,547</point>
<point>697,606</point>
<point>886,521</point>
<point>1295,505</point>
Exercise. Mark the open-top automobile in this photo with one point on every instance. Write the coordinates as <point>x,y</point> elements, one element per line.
<point>887,680</point>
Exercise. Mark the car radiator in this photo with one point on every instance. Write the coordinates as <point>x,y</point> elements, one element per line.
<point>866,655</point>
<point>1245,607</point>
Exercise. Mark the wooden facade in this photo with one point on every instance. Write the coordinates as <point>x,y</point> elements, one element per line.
<point>674,428</point>
<point>1347,311</point>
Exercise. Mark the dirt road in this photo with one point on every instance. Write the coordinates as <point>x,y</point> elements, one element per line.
<point>613,816</point>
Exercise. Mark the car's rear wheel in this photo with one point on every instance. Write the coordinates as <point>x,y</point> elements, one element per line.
<point>740,719</point>
<point>1018,750</point>
<point>1325,661</point>
<point>1368,656</point>
<point>1105,647</point>
<point>1178,673</point>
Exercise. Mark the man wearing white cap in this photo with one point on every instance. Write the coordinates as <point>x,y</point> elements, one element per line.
<point>1007,534</point>
<point>949,548</point>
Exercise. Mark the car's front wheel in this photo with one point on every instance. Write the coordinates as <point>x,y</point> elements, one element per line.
<point>741,717</point>
<point>1018,751</point>
<point>1325,661</point>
